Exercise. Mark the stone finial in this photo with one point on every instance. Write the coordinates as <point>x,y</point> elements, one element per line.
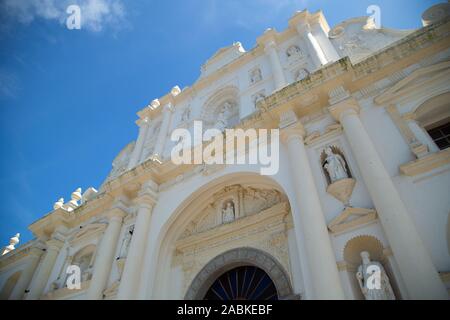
<point>155,104</point>
<point>76,195</point>
<point>175,91</point>
<point>58,204</point>
<point>12,243</point>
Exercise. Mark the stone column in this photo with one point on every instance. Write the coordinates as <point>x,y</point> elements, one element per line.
<point>137,151</point>
<point>163,131</point>
<point>40,278</point>
<point>323,268</point>
<point>27,274</point>
<point>105,253</point>
<point>417,269</point>
<point>129,282</point>
<point>277,70</point>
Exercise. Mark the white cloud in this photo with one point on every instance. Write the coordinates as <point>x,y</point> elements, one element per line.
<point>95,14</point>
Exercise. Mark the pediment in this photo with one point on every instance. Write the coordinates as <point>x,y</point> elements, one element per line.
<point>222,57</point>
<point>351,218</point>
<point>413,81</point>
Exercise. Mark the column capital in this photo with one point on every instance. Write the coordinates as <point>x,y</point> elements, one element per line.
<point>144,122</point>
<point>35,252</point>
<point>168,107</point>
<point>147,196</point>
<point>296,130</point>
<point>347,106</point>
<point>116,212</point>
<point>54,244</point>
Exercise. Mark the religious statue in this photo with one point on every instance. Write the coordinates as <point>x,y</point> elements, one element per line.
<point>222,118</point>
<point>293,52</point>
<point>258,97</point>
<point>301,74</point>
<point>335,165</point>
<point>186,115</point>
<point>255,76</point>
<point>373,280</point>
<point>126,242</point>
<point>228,214</point>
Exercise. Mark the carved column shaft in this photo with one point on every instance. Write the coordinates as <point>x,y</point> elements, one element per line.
<point>321,259</point>
<point>417,269</point>
<point>129,283</point>
<point>105,254</point>
<point>40,279</point>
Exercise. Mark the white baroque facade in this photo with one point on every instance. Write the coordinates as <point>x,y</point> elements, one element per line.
<point>364,172</point>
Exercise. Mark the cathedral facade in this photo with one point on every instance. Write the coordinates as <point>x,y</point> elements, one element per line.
<point>362,184</point>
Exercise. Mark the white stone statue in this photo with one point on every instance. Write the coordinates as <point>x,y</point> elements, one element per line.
<point>186,115</point>
<point>258,97</point>
<point>228,214</point>
<point>293,52</point>
<point>255,76</point>
<point>126,242</point>
<point>335,166</point>
<point>373,280</point>
<point>222,118</point>
<point>301,74</point>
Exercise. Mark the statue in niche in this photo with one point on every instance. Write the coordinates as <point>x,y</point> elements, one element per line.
<point>255,75</point>
<point>126,242</point>
<point>222,118</point>
<point>258,97</point>
<point>293,53</point>
<point>373,280</point>
<point>186,115</point>
<point>228,213</point>
<point>301,74</point>
<point>335,166</point>
<point>85,268</point>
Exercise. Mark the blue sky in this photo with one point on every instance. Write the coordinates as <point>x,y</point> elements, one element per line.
<point>68,98</point>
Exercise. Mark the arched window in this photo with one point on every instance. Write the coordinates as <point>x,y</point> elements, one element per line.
<point>434,117</point>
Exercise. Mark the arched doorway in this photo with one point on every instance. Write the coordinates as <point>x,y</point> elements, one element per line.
<point>243,283</point>
<point>241,274</point>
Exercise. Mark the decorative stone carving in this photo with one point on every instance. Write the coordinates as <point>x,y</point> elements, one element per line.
<point>255,75</point>
<point>351,218</point>
<point>293,53</point>
<point>228,212</point>
<point>223,116</point>
<point>372,287</point>
<point>232,203</point>
<point>335,166</point>
<point>342,190</point>
<point>186,114</point>
<point>120,163</point>
<point>258,97</point>
<point>301,74</point>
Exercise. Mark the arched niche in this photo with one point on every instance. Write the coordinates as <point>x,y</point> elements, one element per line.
<point>323,156</point>
<point>84,258</point>
<point>236,258</point>
<point>215,103</point>
<point>189,210</point>
<point>352,258</point>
